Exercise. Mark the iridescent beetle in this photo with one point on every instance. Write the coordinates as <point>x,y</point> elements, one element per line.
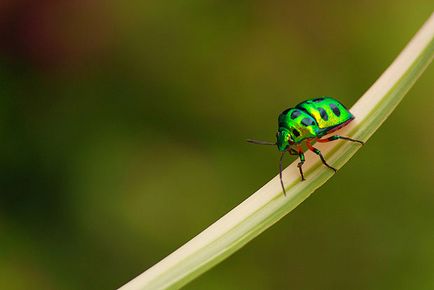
<point>309,121</point>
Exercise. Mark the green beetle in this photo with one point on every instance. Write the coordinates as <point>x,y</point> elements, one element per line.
<point>309,121</point>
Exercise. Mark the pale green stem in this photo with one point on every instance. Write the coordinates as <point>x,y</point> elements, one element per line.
<point>268,204</point>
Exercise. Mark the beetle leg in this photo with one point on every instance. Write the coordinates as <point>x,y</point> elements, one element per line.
<point>280,172</point>
<point>300,164</point>
<point>316,151</point>
<point>337,137</point>
<point>292,151</point>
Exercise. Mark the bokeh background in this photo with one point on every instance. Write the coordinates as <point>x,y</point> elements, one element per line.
<point>122,128</point>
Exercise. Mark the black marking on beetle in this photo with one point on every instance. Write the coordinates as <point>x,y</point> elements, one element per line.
<point>295,114</point>
<point>295,132</point>
<point>335,110</point>
<point>283,125</point>
<point>323,114</point>
<point>307,122</point>
<point>317,100</point>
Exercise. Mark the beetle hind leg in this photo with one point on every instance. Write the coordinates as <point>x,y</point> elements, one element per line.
<point>337,137</point>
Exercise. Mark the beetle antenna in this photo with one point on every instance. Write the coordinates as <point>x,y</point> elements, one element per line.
<point>260,142</point>
<point>280,172</point>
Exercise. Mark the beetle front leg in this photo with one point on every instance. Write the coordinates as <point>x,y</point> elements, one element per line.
<point>292,151</point>
<point>300,164</point>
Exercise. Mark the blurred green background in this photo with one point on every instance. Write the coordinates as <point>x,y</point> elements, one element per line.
<point>122,128</point>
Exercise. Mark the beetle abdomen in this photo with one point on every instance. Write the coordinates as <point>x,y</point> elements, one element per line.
<point>328,113</point>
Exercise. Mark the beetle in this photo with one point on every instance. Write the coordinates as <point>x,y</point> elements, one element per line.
<point>307,122</point>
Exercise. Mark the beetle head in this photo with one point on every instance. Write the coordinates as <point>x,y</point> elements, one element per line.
<point>283,139</point>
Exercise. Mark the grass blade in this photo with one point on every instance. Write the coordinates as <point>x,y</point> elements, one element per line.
<point>268,204</point>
